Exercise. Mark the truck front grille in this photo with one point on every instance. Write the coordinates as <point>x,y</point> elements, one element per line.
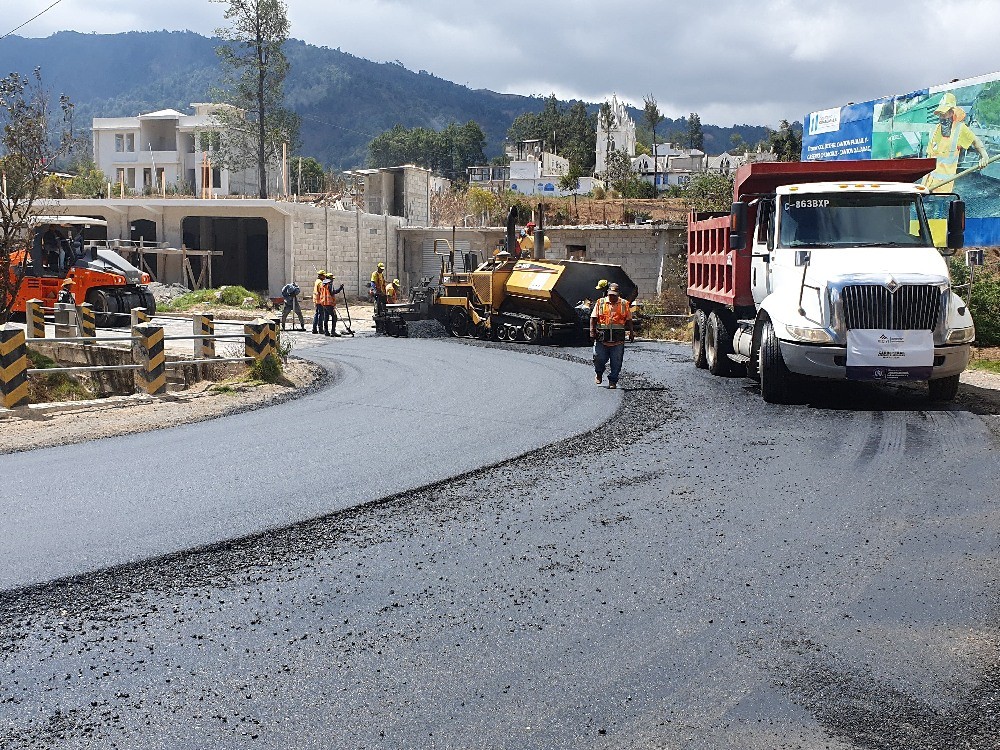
<point>910,308</point>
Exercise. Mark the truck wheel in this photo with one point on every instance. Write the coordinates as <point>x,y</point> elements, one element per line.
<point>943,389</point>
<point>530,331</point>
<point>718,344</point>
<point>698,340</point>
<point>775,379</point>
<point>459,323</point>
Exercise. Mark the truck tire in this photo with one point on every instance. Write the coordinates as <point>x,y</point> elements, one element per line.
<point>943,389</point>
<point>698,339</point>
<point>718,344</point>
<point>776,382</point>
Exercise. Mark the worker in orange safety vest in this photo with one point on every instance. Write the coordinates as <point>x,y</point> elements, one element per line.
<point>610,324</point>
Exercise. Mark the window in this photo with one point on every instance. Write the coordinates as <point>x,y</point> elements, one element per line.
<point>576,252</point>
<point>119,142</point>
<point>120,176</point>
<point>130,180</point>
<point>216,177</point>
<point>130,142</point>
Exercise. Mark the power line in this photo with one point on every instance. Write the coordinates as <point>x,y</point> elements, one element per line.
<point>31,19</point>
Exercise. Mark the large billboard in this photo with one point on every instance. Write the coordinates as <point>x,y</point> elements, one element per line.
<point>957,123</point>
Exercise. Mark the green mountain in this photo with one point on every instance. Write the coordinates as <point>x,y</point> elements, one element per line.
<point>344,101</point>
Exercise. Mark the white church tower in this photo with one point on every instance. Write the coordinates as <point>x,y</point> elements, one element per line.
<point>617,135</point>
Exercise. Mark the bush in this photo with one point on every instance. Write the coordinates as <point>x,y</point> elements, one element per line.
<point>228,296</point>
<point>268,369</point>
<point>984,300</point>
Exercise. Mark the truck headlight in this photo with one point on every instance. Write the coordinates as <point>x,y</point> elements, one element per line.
<point>810,335</point>
<point>961,335</point>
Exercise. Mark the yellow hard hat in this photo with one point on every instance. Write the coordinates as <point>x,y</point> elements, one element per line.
<point>395,282</point>
<point>602,284</point>
<point>321,273</point>
<point>948,102</point>
<point>67,282</point>
<point>381,266</point>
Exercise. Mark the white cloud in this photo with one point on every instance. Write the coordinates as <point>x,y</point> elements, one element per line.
<point>728,60</point>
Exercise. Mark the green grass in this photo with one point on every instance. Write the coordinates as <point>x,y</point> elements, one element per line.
<point>58,386</point>
<point>990,365</point>
<point>228,296</point>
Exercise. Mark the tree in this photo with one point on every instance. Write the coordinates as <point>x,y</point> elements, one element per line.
<point>482,202</point>
<point>786,142</point>
<point>571,180</point>
<point>449,152</point>
<point>306,175</point>
<point>606,122</point>
<point>256,123</point>
<point>695,135</point>
<point>710,192</point>
<point>652,118</point>
<point>569,132</point>
<point>89,181</point>
<point>25,150</point>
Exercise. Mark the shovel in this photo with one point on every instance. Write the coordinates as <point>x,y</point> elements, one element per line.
<point>347,309</point>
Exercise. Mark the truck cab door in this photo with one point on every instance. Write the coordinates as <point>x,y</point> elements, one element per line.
<point>762,251</point>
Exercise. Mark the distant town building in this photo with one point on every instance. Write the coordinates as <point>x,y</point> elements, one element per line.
<point>728,163</point>
<point>673,165</point>
<point>532,171</point>
<point>169,150</point>
<point>403,191</point>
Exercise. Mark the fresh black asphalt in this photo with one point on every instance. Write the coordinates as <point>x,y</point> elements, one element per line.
<point>703,570</point>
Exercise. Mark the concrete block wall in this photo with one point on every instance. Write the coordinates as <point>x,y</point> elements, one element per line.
<point>348,244</point>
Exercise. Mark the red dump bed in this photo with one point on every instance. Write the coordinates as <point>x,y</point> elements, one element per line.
<point>718,274</point>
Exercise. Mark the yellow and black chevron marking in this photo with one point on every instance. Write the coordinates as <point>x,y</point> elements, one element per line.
<point>88,321</point>
<point>154,372</point>
<point>204,325</point>
<point>13,368</point>
<point>256,338</point>
<point>35,319</point>
<point>273,326</point>
<point>139,316</point>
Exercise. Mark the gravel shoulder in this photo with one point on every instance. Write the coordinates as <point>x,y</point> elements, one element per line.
<point>22,430</point>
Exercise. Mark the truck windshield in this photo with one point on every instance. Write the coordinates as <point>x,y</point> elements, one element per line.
<point>853,220</point>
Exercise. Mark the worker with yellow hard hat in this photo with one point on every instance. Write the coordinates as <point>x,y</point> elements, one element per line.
<point>950,137</point>
<point>392,292</point>
<point>376,288</point>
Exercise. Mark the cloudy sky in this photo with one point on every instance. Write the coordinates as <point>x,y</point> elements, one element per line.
<point>732,61</point>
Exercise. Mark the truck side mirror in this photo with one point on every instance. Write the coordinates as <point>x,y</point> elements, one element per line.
<point>974,257</point>
<point>738,226</point>
<point>956,225</point>
<point>802,258</point>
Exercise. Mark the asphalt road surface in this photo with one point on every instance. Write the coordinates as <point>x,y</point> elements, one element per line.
<point>702,571</point>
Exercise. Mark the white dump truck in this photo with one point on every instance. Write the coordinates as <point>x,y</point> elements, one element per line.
<point>830,270</point>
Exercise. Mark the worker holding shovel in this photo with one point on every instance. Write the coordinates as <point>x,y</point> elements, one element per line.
<point>950,137</point>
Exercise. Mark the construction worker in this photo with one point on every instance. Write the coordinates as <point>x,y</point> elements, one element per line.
<point>66,295</point>
<point>610,323</point>
<point>319,298</point>
<point>290,294</point>
<point>392,292</point>
<point>376,288</point>
<point>331,307</point>
<point>950,137</point>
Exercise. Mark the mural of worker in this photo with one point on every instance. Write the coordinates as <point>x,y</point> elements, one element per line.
<point>950,137</point>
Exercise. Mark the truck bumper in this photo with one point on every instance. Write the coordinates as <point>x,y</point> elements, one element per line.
<point>831,361</point>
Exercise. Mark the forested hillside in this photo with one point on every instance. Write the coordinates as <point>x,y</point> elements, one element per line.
<point>344,101</point>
